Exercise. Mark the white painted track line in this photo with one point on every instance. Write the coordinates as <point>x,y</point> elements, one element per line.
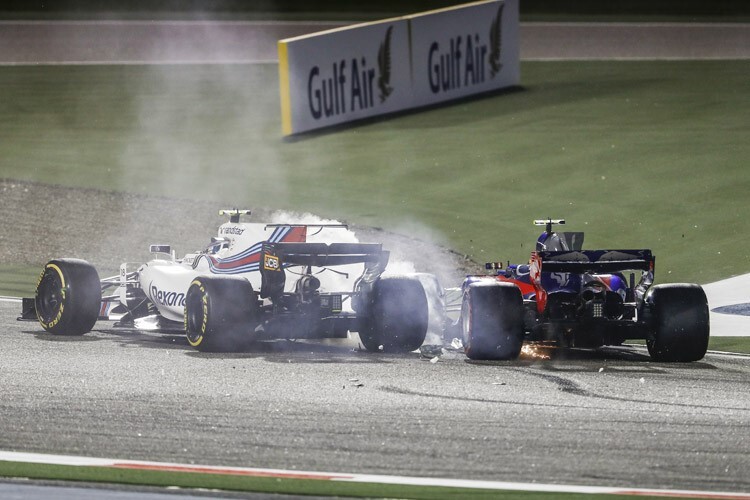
<point>359,478</point>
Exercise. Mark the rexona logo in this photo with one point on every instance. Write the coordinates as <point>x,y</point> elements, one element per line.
<point>463,62</point>
<point>349,85</point>
<point>167,298</point>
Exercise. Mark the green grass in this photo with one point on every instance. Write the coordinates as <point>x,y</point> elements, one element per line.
<point>272,485</point>
<point>730,344</point>
<point>18,281</point>
<point>637,154</point>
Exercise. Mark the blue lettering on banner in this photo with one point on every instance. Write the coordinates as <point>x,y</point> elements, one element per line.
<point>362,86</point>
<point>328,95</point>
<point>445,69</point>
<point>475,57</point>
<point>313,97</point>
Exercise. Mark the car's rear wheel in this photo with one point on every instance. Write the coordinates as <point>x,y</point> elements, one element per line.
<point>680,324</point>
<point>492,321</point>
<point>398,317</point>
<point>68,297</point>
<point>221,313</point>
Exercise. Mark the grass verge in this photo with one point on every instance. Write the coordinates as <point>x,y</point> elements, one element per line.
<point>646,154</point>
<point>272,484</point>
<point>18,281</point>
<point>739,345</point>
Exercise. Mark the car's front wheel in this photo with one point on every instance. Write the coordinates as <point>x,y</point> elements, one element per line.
<point>68,297</point>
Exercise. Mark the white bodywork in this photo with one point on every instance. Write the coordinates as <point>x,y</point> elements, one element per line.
<point>234,252</point>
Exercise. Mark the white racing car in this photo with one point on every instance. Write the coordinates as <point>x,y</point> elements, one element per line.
<point>236,291</point>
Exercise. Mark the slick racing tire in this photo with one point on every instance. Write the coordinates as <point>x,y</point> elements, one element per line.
<point>68,297</point>
<point>680,326</point>
<point>492,321</point>
<point>398,316</point>
<point>220,313</point>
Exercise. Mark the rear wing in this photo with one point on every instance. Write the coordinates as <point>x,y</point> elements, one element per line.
<point>333,254</point>
<point>593,261</point>
<point>277,256</point>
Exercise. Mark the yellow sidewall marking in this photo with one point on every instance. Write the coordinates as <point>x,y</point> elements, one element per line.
<point>59,272</point>
<point>199,340</point>
<point>58,317</point>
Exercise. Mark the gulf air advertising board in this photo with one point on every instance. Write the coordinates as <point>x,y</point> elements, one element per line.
<point>372,69</point>
<point>462,51</point>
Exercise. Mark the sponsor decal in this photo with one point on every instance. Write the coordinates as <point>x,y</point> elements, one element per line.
<point>166,297</point>
<point>463,61</point>
<point>535,273</point>
<point>349,84</point>
<point>63,290</point>
<point>232,230</point>
<point>204,302</point>
<point>195,338</point>
<point>271,263</point>
<point>535,268</point>
<point>495,44</point>
<point>367,70</point>
<point>460,64</point>
<point>58,317</point>
<point>41,275</point>
<point>562,279</point>
<point>384,65</point>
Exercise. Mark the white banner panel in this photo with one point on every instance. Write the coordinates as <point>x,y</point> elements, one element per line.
<point>464,50</point>
<point>371,69</point>
<point>345,74</point>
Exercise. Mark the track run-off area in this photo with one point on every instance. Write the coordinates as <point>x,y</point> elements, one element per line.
<point>609,417</point>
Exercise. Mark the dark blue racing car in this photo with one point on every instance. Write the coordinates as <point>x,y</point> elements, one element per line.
<point>581,298</point>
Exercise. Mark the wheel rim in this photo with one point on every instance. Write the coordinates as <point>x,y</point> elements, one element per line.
<point>50,296</point>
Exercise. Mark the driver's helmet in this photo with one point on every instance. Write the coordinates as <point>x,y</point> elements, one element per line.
<point>549,242</point>
<point>559,242</point>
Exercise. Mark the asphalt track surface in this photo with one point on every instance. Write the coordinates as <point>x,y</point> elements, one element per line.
<point>608,417</point>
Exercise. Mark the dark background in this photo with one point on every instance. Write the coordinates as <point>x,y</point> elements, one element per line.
<point>531,10</point>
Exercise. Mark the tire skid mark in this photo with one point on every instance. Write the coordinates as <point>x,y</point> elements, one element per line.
<point>570,387</point>
<point>407,392</point>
